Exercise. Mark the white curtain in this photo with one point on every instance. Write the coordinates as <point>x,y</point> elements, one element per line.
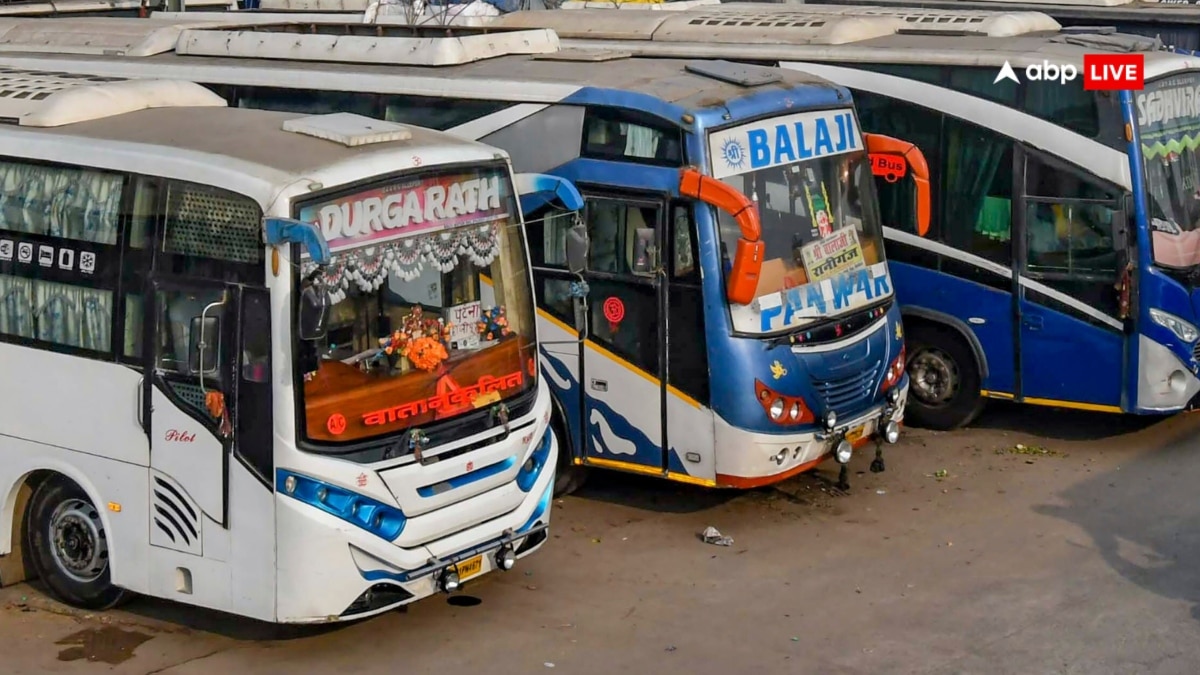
<point>64,202</point>
<point>74,316</point>
<point>640,141</point>
<point>16,306</point>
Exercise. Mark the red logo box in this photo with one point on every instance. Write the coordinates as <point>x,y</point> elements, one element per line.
<point>1114,72</point>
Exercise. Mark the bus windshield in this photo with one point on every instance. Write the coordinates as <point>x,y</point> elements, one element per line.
<point>432,314</point>
<point>810,177</point>
<point>1169,121</point>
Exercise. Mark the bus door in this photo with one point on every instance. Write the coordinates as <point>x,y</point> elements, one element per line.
<point>1071,345</point>
<point>189,396</point>
<point>624,355</point>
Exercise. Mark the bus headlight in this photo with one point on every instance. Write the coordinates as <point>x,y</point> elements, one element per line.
<point>1182,329</point>
<point>891,432</point>
<point>506,558</point>
<point>450,581</point>
<point>843,451</point>
<point>780,408</point>
<point>382,520</point>
<point>894,372</point>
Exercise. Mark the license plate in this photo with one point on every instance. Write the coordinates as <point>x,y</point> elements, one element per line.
<point>856,433</point>
<point>470,567</point>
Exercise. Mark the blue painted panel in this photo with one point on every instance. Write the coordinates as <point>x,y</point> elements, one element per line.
<point>621,175</point>
<point>1067,359</point>
<point>569,396</point>
<point>627,99</point>
<point>964,300</point>
<point>1162,292</point>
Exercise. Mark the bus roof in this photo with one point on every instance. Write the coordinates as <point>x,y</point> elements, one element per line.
<point>181,130</point>
<point>772,32</point>
<point>1103,9</point>
<point>238,56</point>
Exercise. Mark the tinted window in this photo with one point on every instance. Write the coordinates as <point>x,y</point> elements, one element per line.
<point>437,113</point>
<point>631,136</point>
<point>977,191</point>
<point>1068,223</point>
<point>921,126</point>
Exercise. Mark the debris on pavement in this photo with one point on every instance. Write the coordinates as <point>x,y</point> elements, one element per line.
<point>1031,450</point>
<point>712,535</point>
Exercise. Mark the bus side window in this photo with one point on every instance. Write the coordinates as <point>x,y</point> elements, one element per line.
<point>547,233</point>
<point>683,257</point>
<point>1069,233</point>
<point>977,191</point>
<point>256,337</point>
<point>632,136</point>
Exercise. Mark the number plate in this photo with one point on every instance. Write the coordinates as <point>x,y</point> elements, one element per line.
<point>856,433</point>
<point>470,567</point>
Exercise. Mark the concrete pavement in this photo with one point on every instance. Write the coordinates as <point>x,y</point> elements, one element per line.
<point>1076,553</point>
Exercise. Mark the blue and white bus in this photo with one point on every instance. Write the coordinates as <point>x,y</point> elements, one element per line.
<point>1062,267</point>
<point>739,324</point>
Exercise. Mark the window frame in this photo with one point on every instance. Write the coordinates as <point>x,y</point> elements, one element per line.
<point>594,114</point>
<point>1117,204</point>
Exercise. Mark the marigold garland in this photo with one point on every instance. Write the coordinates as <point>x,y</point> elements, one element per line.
<point>426,353</point>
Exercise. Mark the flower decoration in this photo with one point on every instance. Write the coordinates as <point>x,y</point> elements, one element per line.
<point>427,353</point>
<point>366,269</point>
<point>493,324</point>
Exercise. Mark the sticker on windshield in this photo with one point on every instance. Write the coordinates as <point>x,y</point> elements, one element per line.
<point>839,252</point>
<point>782,140</point>
<point>838,294</point>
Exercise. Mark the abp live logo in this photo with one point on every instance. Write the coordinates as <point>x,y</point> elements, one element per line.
<point>1101,72</point>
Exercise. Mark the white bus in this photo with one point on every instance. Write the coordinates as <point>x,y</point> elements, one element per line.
<point>242,366</point>
<point>1062,266</point>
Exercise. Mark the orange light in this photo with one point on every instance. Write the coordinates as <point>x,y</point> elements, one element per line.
<point>894,372</point>
<point>114,507</point>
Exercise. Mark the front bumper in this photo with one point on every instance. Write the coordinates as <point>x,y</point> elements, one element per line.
<point>746,459</point>
<point>329,570</point>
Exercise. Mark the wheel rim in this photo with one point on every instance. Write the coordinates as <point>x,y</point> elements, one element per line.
<point>934,376</point>
<point>78,545</point>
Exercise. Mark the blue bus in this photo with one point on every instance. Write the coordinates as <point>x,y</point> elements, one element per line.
<point>733,322</point>
<point>1062,265</point>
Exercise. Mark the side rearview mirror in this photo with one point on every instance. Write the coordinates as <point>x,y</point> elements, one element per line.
<point>742,284</point>
<point>892,159</point>
<point>314,312</point>
<point>204,345</point>
<point>577,249</point>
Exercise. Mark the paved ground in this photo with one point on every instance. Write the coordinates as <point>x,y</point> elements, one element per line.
<point>1076,552</point>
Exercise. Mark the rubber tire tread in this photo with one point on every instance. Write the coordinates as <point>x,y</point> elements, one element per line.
<point>968,403</point>
<point>98,594</point>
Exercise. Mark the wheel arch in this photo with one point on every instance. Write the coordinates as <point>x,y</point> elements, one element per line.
<point>34,476</point>
<point>919,315</point>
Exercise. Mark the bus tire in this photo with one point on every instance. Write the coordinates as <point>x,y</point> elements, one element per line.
<point>944,379</point>
<point>69,547</point>
<point>568,476</point>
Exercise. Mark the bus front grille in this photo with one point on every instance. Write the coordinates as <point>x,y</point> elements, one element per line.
<point>849,394</point>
